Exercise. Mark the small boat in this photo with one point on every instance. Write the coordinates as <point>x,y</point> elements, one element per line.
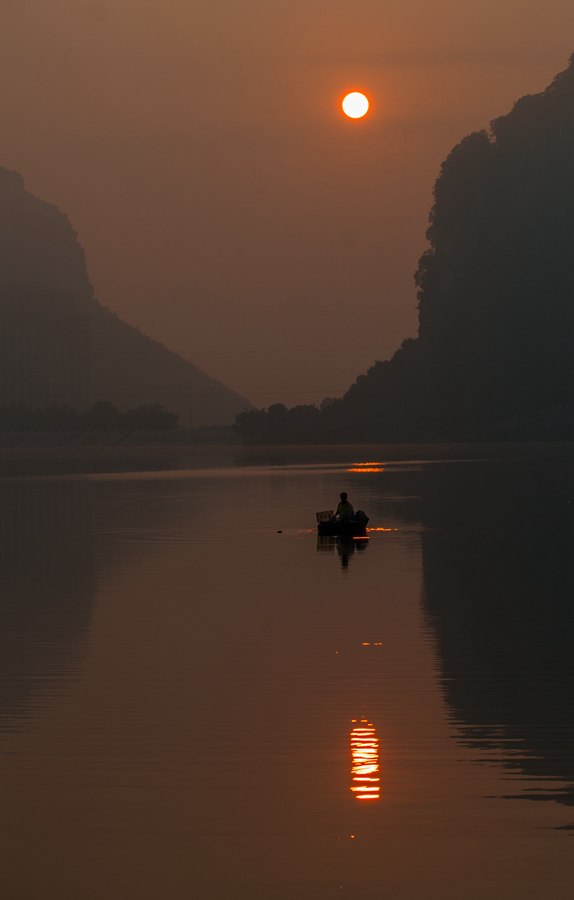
<point>328,524</point>
<point>336,527</point>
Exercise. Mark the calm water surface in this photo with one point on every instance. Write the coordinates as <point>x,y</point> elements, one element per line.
<point>183,662</point>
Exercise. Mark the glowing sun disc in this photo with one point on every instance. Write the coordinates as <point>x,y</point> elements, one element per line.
<point>355,105</point>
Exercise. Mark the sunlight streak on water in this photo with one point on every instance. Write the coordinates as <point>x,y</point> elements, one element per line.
<point>365,765</point>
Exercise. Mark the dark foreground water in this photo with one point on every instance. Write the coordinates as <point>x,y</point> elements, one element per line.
<point>179,682</point>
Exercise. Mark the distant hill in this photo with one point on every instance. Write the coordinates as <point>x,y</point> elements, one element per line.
<point>496,300</point>
<point>39,247</point>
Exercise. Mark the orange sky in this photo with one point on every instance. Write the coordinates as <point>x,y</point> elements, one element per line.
<point>225,204</point>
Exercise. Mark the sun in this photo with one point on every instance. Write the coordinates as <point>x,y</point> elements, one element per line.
<point>355,105</point>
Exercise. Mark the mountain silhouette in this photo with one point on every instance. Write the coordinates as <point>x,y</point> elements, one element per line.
<point>40,253</point>
<point>493,356</point>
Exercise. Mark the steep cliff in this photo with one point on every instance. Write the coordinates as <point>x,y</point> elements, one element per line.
<point>38,246</point>
<point>496,287</point>
<point>496,293</point>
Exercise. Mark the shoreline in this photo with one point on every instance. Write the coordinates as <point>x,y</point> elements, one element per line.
<point>22,461</point>
<point>435,447</point>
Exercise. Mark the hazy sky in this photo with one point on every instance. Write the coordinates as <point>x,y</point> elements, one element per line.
<point>225,204</point>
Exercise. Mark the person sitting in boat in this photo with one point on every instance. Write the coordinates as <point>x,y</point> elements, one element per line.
<point>345,510</point>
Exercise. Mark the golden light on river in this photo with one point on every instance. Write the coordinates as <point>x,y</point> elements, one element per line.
<point>365,761</point>
<point>355,105</point>
<point>367,467</point>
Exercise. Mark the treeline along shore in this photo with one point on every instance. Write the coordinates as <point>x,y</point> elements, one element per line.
<point>102,416</point>
<point>493,358</point>
<point>103,425</point>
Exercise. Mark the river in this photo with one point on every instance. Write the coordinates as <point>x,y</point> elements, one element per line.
<point>194,687</point>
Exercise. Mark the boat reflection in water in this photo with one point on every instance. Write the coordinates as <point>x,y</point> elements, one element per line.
<point>345,544</point>
<point>365,772</point>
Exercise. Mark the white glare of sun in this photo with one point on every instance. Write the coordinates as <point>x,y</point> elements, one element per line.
<point>355,105</point>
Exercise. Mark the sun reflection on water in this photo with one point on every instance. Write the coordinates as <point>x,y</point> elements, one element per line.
<point>367,467</point>
<point>365,761</point>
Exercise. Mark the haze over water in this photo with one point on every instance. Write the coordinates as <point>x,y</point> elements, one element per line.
<point>182,659</point>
